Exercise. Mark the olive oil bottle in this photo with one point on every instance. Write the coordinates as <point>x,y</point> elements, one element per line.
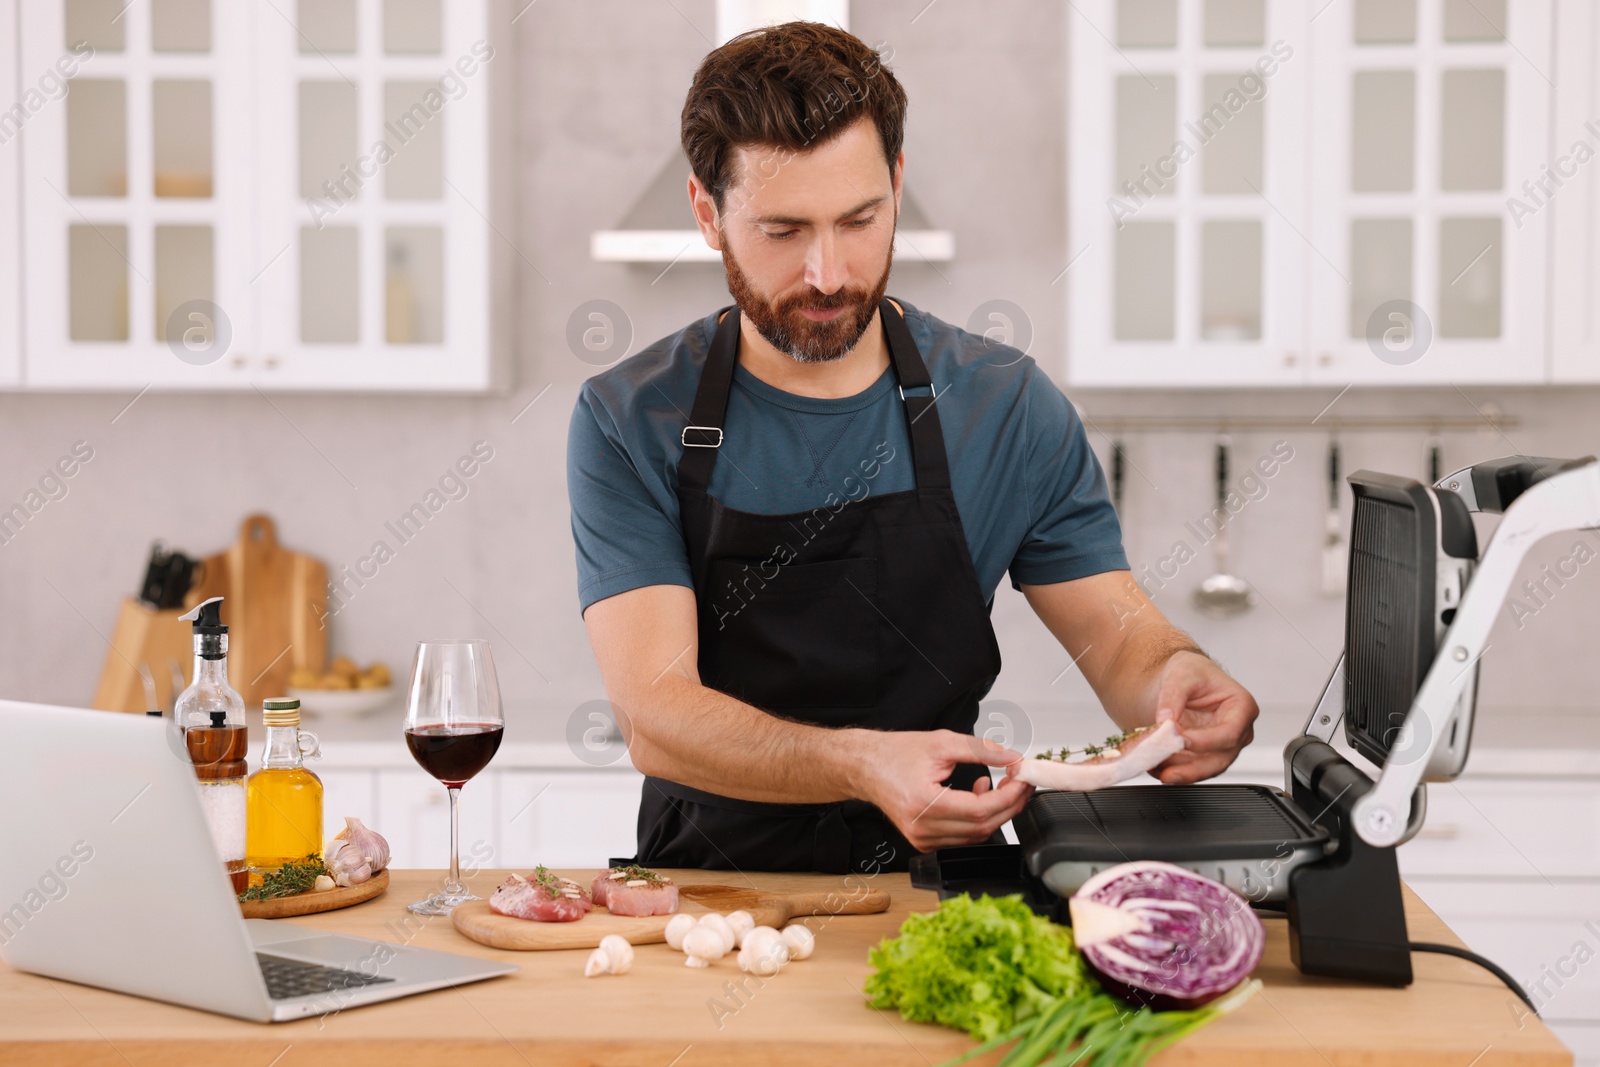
<point>283,800</point>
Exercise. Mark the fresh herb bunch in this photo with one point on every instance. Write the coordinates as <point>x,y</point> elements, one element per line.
<point>1114,741</point>
<point>296,876</point>
<point>1002,974</point>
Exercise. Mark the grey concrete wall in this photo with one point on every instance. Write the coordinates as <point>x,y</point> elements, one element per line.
<point>601,84</point>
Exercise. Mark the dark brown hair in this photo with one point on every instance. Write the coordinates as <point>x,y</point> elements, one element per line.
<point>792,87</point>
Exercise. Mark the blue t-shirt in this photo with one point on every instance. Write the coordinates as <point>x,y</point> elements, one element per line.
<point>1030,491</point>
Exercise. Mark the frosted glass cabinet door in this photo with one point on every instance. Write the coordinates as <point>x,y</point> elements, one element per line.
<point>10,239</point>
<point>1185,170</point>
<point>1430,127</point>
<point>375,204</point>
<point>1569,191</point>
<point>137,175</point>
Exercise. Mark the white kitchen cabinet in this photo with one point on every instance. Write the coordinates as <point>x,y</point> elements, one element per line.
<point>1185,178</point>
<point>1508,828</point>
<point>1249,189</point>
<point>11,125</point>
<point>1437,111</point>
<point>415,819</point>
<point>178,231</point>
<point>568,818</point>
<point>347,793</point>
<point>1567,192</point>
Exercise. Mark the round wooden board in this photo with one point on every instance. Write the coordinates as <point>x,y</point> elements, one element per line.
<point>476,922</point>
<point>311,903</point>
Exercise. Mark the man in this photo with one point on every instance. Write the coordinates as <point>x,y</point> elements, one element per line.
<point>791,517</point>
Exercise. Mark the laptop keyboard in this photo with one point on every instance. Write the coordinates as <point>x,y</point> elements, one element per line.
<point>287,979</point>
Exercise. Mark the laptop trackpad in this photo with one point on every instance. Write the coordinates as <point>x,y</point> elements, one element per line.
<point>334,950</point>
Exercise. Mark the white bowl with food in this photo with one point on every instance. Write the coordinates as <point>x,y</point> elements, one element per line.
<point>344,690</point>
<point>343,703</point>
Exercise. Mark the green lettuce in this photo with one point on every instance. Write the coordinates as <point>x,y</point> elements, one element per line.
<point>977,965</point>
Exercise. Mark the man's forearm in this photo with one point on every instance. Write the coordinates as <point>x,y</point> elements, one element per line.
<point>682,731</point>
<point>1126,681</point>
<point>1115,635</point>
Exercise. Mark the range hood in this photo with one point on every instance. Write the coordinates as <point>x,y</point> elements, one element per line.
<point>659,227</point>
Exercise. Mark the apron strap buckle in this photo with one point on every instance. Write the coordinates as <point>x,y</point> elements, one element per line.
<point>701,437</point>
<point>931,393</point>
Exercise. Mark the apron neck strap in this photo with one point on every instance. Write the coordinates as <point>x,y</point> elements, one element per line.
<point>703,436</point>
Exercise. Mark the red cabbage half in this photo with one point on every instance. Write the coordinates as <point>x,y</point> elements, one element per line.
<point>1161,935</point>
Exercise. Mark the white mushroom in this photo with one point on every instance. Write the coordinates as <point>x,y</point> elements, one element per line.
<point>677,926</point>
<point>716,922</point>
<point>702,945</point>
<point>800,941</point>
<point>742,924</point>
<point>597,963</point>
<point>764,952</point>
<point>619,951</point>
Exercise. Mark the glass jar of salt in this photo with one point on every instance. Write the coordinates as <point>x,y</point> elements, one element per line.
<point>217,751</point>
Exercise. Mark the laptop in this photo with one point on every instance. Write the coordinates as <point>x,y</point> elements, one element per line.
<point>109,879</point>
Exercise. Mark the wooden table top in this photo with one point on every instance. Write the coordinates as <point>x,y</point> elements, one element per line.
<point>663,1014</point>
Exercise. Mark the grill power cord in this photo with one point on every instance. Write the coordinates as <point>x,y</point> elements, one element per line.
<point>1472,957</point>
<point>1444,950</point>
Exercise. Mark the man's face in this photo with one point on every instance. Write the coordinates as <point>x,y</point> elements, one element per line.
<point>807,240</point>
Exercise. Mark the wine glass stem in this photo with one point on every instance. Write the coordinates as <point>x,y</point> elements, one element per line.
<point>453,887</point>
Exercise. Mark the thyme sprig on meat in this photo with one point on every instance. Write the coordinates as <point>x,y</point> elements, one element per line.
<point>1112,744</point>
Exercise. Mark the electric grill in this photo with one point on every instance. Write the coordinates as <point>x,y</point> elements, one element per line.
<point>1418,611</point>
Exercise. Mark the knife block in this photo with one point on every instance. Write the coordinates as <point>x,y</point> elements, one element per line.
<point>149,637</point>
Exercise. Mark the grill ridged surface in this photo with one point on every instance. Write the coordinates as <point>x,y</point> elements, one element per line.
<point>1387,624</point>
<point>1132,817</point>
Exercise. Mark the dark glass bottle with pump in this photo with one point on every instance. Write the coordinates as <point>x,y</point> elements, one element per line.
<point>210,714</point>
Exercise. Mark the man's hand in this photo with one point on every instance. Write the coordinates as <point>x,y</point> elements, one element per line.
<point>1211,710</point>
<point>906,772</point>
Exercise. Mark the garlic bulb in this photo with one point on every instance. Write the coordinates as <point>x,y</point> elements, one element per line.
<point>598,963</point>
<point>369,843</point>
<point>346,863</point>
<point>322,884</point>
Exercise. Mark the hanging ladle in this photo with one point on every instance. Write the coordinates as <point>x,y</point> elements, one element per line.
<point>1222,595</point>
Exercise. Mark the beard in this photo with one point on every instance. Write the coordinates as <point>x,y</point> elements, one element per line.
<point>787,329</point>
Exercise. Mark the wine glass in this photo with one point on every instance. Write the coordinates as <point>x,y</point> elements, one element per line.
<point>453,729</point>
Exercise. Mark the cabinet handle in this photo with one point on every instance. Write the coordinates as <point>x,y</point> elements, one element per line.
<point>1445,831</point>
<point>272,362</point>
<point>1324,359</point>
<point>239,361</point>
<point>1291,358</point>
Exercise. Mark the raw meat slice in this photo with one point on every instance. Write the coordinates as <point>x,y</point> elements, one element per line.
<point>634,890</point>
<point>657,899</point>
<point>1147,749</point>
<point>545,898</point>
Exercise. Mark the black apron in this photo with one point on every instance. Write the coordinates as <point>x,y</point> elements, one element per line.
<point>866,612</point>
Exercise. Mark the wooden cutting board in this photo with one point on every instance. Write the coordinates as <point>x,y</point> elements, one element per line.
<point>311,903</point>
<point>275,603</point>
<point>475,921</point>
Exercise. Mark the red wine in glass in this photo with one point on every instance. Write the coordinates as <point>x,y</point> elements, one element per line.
<point>455,753</point>
<point>454,723</point>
